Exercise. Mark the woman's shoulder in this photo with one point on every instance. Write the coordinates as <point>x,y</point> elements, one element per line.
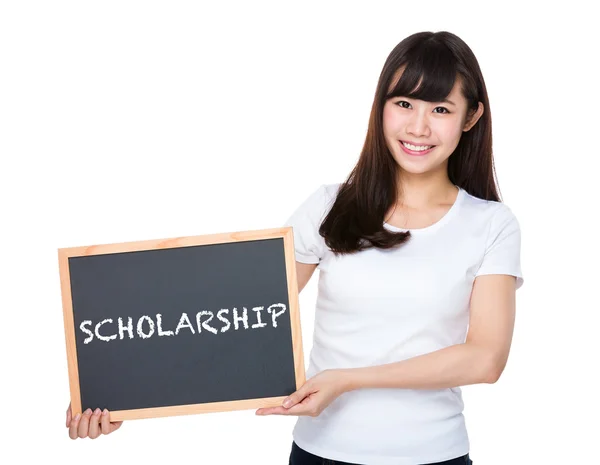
<point>483,204</point>
<point>486,210</point>
<point>326,194</point>
<point>330,190</point>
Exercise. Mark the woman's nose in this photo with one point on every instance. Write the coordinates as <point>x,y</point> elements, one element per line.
<point>418,124</point>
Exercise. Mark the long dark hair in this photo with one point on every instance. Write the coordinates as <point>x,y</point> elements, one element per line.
<point>355,220</point>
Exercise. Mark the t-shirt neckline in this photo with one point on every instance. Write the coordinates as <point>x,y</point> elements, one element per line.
<point>443,220</point>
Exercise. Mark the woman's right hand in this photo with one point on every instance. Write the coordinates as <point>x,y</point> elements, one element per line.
<point>90,424</point>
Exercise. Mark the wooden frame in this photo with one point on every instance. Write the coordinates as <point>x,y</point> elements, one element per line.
<point>292,284</point>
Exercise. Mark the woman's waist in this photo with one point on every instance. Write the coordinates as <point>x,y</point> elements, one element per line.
<point>386,436</point>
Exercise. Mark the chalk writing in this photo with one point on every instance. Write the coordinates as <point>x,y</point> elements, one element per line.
<point>108,330</point>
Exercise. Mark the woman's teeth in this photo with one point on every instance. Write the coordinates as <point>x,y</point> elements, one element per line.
<point>417,148</point>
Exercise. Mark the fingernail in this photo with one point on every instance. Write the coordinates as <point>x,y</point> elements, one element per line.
<point>287,403</point>
<point>88,411</point>
<point>97,412</point>
<point>77,416</point>
<point>105,412</point>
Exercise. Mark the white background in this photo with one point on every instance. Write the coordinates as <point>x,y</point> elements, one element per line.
<point>124,121</point>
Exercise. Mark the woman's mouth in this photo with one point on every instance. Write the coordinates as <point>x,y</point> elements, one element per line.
<point>417,150</point>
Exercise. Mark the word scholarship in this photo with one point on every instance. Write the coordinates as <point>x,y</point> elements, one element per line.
<point>146,327</point>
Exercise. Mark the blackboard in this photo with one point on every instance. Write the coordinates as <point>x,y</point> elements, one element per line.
<point>182,325</point>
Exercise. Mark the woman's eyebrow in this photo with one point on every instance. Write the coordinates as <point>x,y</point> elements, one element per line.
<point>441,101</point>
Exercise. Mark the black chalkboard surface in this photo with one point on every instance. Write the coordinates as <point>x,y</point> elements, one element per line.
<point>183,325</point>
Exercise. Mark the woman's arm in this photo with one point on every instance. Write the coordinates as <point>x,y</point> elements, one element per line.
<point>304,271</point>
<point>481,359</point>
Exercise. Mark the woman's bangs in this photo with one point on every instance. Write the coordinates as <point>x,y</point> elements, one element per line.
<point>430,76</point>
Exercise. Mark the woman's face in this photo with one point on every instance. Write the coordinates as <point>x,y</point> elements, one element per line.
<point>426,124</point>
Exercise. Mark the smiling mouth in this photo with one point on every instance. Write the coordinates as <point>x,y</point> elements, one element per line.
<point>417,148</point>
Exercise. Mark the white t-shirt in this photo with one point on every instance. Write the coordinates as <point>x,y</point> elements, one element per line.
<point>382,306</point>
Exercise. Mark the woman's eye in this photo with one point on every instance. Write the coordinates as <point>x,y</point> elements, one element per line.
<point>401,103</point>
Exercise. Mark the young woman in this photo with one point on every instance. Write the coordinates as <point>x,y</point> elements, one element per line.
<point>419,264</point>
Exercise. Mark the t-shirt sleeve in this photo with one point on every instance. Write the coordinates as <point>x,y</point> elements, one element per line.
<point>309,245</point>
<point>503,247</point>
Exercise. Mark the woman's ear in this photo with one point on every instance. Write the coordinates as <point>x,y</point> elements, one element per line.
<point>473,117</point>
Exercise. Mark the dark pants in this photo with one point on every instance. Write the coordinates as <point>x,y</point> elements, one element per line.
<point>299,456</point>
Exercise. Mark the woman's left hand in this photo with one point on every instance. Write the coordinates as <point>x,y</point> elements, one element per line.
<point>314,395</point>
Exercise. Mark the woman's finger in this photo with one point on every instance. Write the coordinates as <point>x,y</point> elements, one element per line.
<point>74,426</point>
<point>84,424</point>
<point>303,408</point>
<point>95,430</point>
<point>272,411</point>
<point>107,426</point>
<point>299,395</point>
<point>115,425</point>
<point>104,423</point>
<point>69,415</point>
